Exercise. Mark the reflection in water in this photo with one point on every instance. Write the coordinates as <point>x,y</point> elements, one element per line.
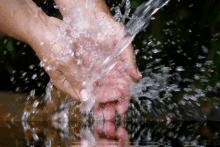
<point>149,133</point>
<point>70,128</point>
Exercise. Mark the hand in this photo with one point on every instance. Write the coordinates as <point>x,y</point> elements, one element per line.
<point>61,67</point>
<point>65,70</point>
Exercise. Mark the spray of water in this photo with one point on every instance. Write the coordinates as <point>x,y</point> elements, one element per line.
<point>139,21</point>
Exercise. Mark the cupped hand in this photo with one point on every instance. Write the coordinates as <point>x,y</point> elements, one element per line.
<point>65,74</point>
<point>69,69</point>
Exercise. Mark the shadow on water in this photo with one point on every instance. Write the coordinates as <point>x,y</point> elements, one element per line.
<point>178,55</point>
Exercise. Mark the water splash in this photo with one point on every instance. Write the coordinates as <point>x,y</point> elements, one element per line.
<point>139,21</point>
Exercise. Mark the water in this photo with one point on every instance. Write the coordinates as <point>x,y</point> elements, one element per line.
<point>180,82</point>
<point>139,21</point>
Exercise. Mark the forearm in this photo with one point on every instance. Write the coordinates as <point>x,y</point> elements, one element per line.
<point>18,18</point>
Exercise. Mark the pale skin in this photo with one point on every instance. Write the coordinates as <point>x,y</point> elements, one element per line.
<point>23,20</point>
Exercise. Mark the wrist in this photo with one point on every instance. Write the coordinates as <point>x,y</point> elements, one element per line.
<point>43,33</point>
<point>34,27</point>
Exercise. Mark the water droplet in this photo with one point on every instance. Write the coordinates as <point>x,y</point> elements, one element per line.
<point>32,93</point>
<point>198,64</point>
<point>17,89</point>
<point>55,6</point>
<point>187,89</point>
<point>18,43</point>
<point>155,51</point>
<point>36,138</point>
<point>31,66</point>
<point>5,41</point>
<point>201,57</point>
<point>190,30</point>
<point>62,7</point>
<point>39,84</point>
<point>48,68</point>
<point>44,59</point>
<point>79,62</point>
<point>158,42</point>
<point>196,77</point>
<point>136,51</point>
<point>42,74</point>
<point>4,53</point>
<point>166,69</point>
<point>35,104</point>
<point>41,43</point>
<point>218,84</point>
<point>152,18</point>
<point>12,79</point>
<point>179,51</point>
<point>23,74</point>
<point>42,64</point>
<point>211,70</point>
<point>39,9</point>
<point>191,5</point>
<point>69,52</point>
<point>208,62</point>
<point>144,42</point>
<point>34,76</point>
<point>180,68</point>
<point>202,69</point>
<point>205,49</point>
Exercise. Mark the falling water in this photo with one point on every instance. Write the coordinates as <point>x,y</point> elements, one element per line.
<point>139,21</point>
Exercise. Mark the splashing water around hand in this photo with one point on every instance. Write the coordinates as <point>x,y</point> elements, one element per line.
<point>139,21</point>
<point>83,28</point>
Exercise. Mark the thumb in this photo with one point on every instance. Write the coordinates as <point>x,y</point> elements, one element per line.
<point>75,78</point>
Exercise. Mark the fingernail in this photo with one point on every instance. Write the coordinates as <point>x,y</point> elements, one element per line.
<point>139,73</point>
<point>84,95</point>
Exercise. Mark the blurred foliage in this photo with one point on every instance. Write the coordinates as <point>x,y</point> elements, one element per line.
<point>134,4</point>
<point>7,53</point>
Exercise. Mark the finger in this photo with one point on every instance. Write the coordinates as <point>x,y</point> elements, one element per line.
<point>98,112</point>
<point>74,76</point>
<point>110,129</point>
<point>108,93</point>
<point>122,106</point>
<point>109,111</point>
<point>128,58</point>
<point>122,84</point>
<point>116,72</point>
<point>122,136</point>
<point>60,82</point>
<point>65,6</point>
